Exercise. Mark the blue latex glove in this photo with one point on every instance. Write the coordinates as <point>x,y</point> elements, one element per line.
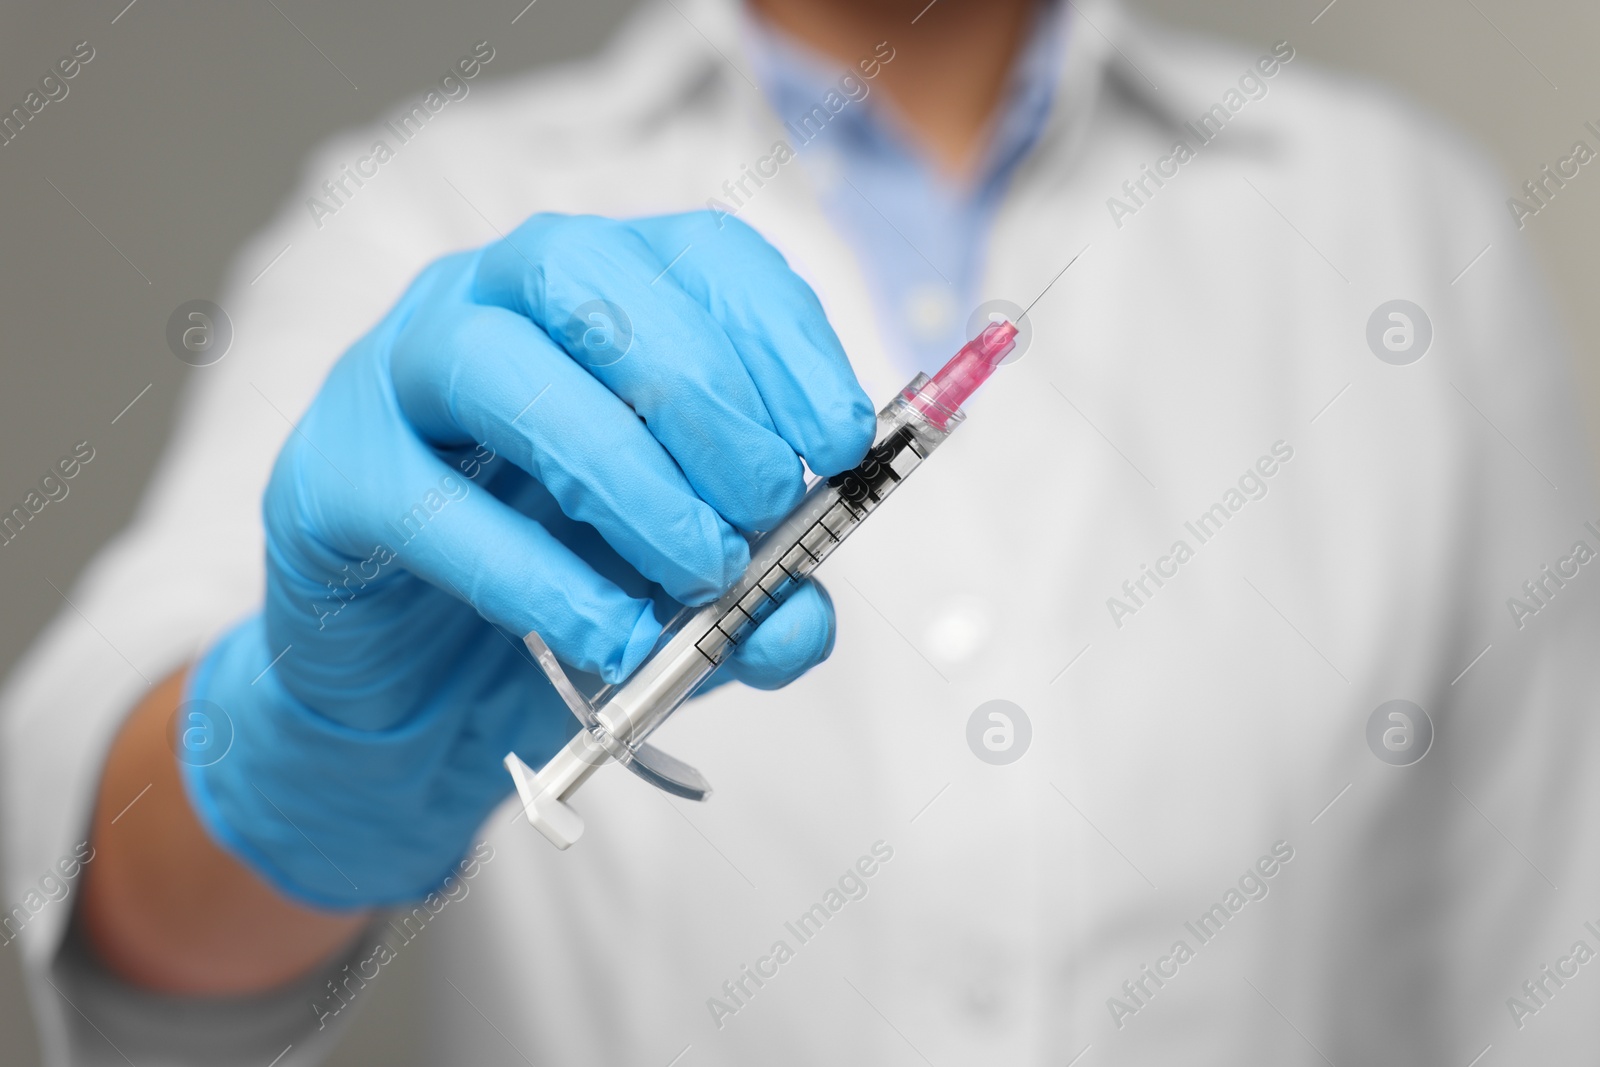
<point>487,463</point>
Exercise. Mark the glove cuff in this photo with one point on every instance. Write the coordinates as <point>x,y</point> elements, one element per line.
<point>327,814</point>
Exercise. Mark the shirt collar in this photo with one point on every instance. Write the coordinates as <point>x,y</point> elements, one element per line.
<point>681,47</point>
<point>685,47</point>
<point>797,80</point>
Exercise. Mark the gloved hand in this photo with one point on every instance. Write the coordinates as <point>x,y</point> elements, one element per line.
<point>564,432</point>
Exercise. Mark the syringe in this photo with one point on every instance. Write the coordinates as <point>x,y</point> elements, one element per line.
<point>616,722</point>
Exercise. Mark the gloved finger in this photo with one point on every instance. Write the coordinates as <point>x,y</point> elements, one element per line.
<point>529,497</point>
<point>585,278</point>
<point>464,372</point>
<point>793,639</point>
<point>779,329</point>
<point>388,488</point>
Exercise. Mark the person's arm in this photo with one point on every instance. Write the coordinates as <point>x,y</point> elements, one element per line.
<point>163,906</point>
<point>362,764</point>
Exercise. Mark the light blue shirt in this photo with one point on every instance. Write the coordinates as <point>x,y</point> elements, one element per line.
<point>920,236</point>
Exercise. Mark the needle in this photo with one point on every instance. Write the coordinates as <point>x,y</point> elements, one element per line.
<point>1053,281</point>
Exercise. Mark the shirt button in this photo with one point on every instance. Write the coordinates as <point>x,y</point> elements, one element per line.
<point>930,311</point>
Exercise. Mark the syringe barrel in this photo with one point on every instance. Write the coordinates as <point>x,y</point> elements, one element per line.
<point>696,641</point>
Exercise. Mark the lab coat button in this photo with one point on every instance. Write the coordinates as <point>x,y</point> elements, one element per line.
<point>982,1002</point>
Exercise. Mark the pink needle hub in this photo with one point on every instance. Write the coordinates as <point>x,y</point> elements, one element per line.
<point>941,398</point>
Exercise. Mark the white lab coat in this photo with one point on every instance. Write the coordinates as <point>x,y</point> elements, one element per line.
<point>1225,717</point>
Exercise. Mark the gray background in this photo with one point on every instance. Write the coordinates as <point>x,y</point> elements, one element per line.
<point>187,129</point>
